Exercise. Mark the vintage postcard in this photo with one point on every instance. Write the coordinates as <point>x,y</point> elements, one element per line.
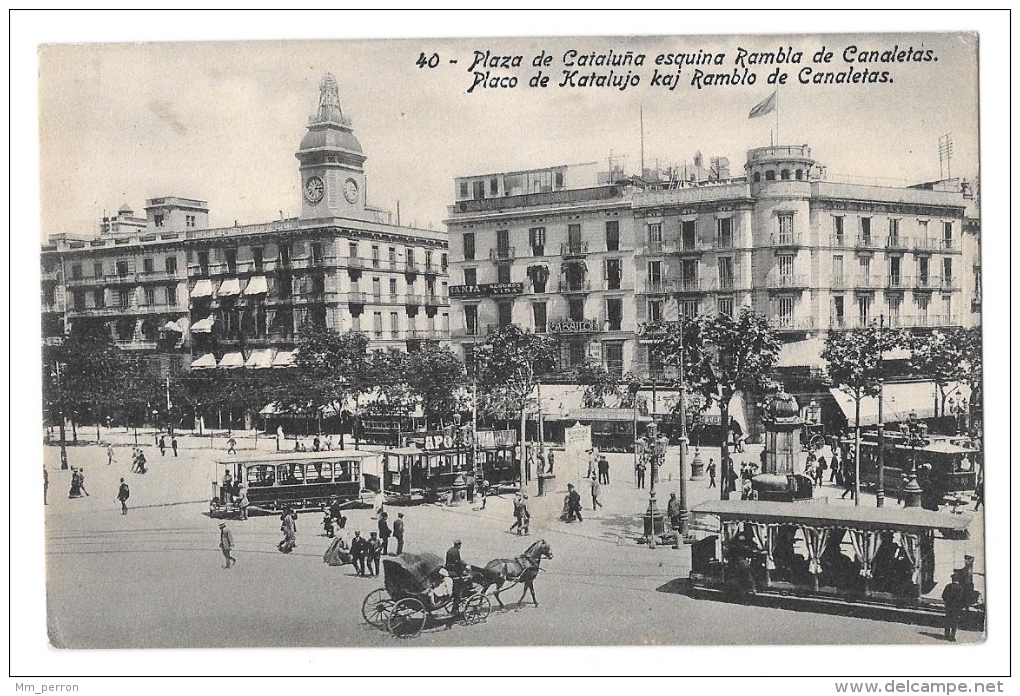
<point>556,341</point>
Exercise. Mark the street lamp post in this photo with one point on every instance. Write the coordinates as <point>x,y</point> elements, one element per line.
<point>912,491</point>
<point>63,436</point>
<point>684,530</point>
<point>880,487</point>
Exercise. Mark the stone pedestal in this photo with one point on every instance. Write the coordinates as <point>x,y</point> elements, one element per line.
<point>654,524</point>
<point>697,466</point>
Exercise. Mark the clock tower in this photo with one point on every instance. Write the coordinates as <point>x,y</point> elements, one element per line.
<point>332,175</point>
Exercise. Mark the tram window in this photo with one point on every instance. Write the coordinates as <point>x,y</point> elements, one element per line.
<point>317,472</point>
<point>259,475</point>
<point>290,474</point>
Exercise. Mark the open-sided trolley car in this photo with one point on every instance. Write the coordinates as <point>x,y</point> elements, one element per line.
<point>299,480</point>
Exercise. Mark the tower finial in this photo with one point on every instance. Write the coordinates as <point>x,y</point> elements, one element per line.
<point>329,101</point>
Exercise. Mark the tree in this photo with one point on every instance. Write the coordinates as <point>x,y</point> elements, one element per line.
<point>437,378</point>
<point>387,371</point>
<point>509,364</point>
<point>946,356</point>
<point>723,355</point>
<point>598,383</point>
<point>856,367</point>
<point>92,373</point>
<point>329,368</point>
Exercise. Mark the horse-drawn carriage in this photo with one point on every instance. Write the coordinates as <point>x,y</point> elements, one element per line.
<point>415,591</point>
<point>418,588</point>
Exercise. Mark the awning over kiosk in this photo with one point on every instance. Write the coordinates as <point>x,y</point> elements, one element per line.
<point>229,287</point>
<point>203,288</point>
<point>206,362</point>
<point>257,286</point>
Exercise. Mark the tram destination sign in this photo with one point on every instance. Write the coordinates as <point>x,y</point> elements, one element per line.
<point>486,290</point>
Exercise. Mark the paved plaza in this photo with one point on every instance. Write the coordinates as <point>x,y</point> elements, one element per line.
<point>155,577</point>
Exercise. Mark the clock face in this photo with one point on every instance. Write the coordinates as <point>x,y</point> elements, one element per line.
<point>314,189</point>
<point>351,191</point>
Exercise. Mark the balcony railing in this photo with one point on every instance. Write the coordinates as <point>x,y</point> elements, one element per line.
<point>619,286</point>
<point>412,299</point>
<point>655,286</point>
<point>136,344</point>
<point>868,242</point>
<point>724,243</point>
<point>927,244</point>
<point>157,276</point>
<point>574,249</point>
<point>576,286</point>
<point>790,239</point>
<point>357,297</point>
<point>49,276</point>
<point>839,281</point>
<point>466,332</point>
<point>433,299</point>
<point>660,247</point>
<point>696,247</point>
<point>839,240</point>
<point>897,282</point>
<point>916,321</point>
<point>936,283</point>
<point>412,267</point>
<point>87,280</point>
<point>869,281</point>
<point>425,334</point>
<point>687,285</point>
<point>786,281</point>
<point>783,323</point>
<point>502,254</point>
<point>897,241</point>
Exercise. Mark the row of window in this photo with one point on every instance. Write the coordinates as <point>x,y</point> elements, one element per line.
<point>526,182</point>
<point>895,266</point>
<point>150,296</point>
<point>537,241</point>
<point>865,229</point>
<point>123,267</point>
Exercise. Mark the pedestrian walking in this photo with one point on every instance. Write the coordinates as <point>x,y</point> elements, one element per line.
<point>603,470</point>
<point>398,533</point>
<point>140,462</point>
<point>231,443</point>
<point>573,504</point>
<point>456,567</point>
<point>123,493</point>
<point>384,532</point>
<point>227,544</point>
<point>110,459</point>
<point>173,444</point>
<point>596,491</point>
<point>162,445</point>
<point>525,515</point>
<point>953,597</point>
<point>834,470</point>
<point>731,476</point>
<point>848,483</point>
<point>375,552</point>
<point>820,471</point>
<point>640,471</point>
<point>81,481</point>
<point>518,524</point>
<point>45,484</point>
<point>979,492</point>
<point>711,472</point>
<point>359,552</point>
<point>242,504</point>
<point>552,461</point>
<point>469,482</point>
<point>288,525</point>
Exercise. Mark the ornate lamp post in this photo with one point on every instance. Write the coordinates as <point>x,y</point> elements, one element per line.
<point>655,450</point>
<point>915,438</point>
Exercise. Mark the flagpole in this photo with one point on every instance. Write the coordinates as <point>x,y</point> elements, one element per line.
<point>777,115</point>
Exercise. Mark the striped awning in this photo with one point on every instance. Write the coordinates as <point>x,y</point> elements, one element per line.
<point>204,325</point>
<point>285,358</point>
<point>260,359</point>
<point>203,288</point>
<point>231,361</point>
<point>256,286</point>
<point>206,362</point>
<point>229,287</point>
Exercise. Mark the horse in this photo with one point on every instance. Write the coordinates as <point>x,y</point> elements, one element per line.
<point>522,569</point>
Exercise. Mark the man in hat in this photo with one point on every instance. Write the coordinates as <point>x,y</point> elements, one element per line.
<point>673,511</point>
<point>359,549</point>
<point>123,493</point>
<point>573,504</point>
<point>398,533</point>
<point>375,552</point>
<point>456,567</point>
<point>227,544</point>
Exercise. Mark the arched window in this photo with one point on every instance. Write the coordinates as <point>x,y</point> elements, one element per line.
<point>770,175</point>
<point>757,177</point>
<point>799,174</point>
<point>784,175</point>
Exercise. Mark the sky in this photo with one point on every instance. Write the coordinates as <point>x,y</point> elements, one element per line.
<point>221,121</point>
<point>94,127</point>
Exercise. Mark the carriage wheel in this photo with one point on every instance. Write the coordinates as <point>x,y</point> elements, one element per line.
<point>816,442</point>
<point>476,609</point>
<point>376,608</point>
<point>407,618</point>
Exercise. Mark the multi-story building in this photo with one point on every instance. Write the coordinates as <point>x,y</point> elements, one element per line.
<point>811,254</point>
<point>238,296</point>
<point>550,250</point>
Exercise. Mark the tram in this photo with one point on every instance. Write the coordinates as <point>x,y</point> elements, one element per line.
<point>887,563</point>
<point>946,465</point>
<point>427,467</point>
<point>298,480</point>
<point>496,460</point>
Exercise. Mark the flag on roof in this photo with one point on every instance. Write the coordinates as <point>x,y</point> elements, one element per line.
<point>764,107</point>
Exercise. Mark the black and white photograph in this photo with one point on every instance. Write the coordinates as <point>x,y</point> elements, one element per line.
<point>658,339</point>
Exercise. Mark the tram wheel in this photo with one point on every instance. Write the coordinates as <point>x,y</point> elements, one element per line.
<point>376,608</point>
<point>476,609</point>
<point>407,619</point>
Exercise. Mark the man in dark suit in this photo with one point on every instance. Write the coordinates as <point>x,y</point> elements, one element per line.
<point>398,533</point>
<point>573,504</point>
<point>359,550</point>
<point>456,567</point>
<point>384,531</point>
